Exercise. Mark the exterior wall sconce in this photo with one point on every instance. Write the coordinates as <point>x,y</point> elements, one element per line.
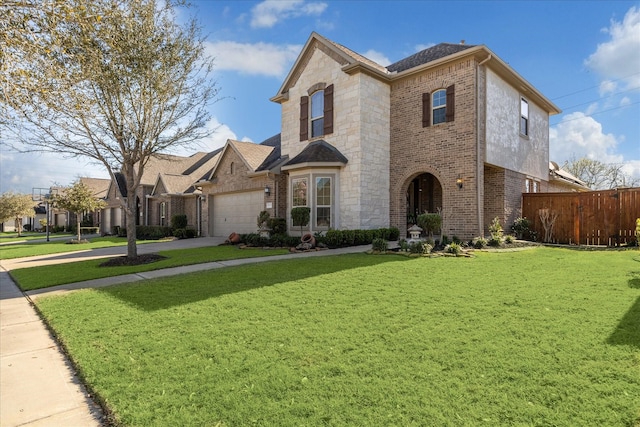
<point>267,190</point>
<point>459,182</point>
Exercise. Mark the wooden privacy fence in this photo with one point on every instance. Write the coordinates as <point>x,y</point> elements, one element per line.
<point>593,218</point>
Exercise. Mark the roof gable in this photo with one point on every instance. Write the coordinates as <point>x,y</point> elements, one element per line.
<point>344,56</point>
<point>252,155</point>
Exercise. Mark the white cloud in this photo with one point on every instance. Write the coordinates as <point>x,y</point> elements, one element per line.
<point>618,58</point>
<point>607,86</point>
<point>632,168</point>
<point>257,59</point>
<point>377,57</point>
<point>625,101</point>
<point>270,12</point>
<point>578,135</point>
<point>21,172</point>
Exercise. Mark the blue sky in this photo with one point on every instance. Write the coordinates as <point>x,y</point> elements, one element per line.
<point>582,55</point>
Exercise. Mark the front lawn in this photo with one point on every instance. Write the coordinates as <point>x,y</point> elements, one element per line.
<point>20,250</point>
<point>51,275</point>
<point>541,337</point>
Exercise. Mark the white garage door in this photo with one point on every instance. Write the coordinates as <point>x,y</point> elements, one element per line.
<point>236,213</point>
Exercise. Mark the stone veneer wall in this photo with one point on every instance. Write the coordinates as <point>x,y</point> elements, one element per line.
<point>361,133</point>
<point>446,150</point>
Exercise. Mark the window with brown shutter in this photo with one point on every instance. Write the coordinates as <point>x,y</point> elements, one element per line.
<point>328,110</point>
<point>426,110</point>
<point>451,106</point>
<point>304,118</point>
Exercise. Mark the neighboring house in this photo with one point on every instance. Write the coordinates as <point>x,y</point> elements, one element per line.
<point>562,181</point>
<point>167,188</point>
<point>63,218</point>
<point>451,129</point>
<point>245,181</point>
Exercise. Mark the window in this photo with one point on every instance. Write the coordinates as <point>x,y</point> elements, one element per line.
<point>163,212</point>
<point>527,186</point>
<point>535,186</point>
<point>439,106</point>
<point>323,202</point>
<point>317,113</point>
<point>231,168</point>
<point>524,117</point>
<point>299,192</point>
<point>316,118</point>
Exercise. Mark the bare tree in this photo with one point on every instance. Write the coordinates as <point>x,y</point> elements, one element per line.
<point>116,81</point>
<point>598,175</point>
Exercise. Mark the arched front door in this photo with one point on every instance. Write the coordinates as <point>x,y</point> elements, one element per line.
<point>424,194</point>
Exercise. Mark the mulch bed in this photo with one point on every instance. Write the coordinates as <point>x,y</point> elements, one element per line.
<point>139,260</point>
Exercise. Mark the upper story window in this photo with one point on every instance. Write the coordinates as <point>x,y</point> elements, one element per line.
<point>438,107</point>
<point>439,103</point>
<point>316,112</point>
<point>524,117</point>
<point>232,168</point>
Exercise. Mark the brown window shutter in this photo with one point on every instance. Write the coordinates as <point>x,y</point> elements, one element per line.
<point>426,110</point>
<point>304,118</point>
<point>451,103</point>
<point>328,110</point>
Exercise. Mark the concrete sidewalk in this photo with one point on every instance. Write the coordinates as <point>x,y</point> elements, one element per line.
<point>37,384</point>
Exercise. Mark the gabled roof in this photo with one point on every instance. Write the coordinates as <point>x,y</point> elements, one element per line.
<point>275,158</point>
<point>432,57</point>
<point>350,61</point>
<point>252,155</point>
<point>176,184</point>
<point>427,55</point>
<point>98,186</point>
<point>317,152</point>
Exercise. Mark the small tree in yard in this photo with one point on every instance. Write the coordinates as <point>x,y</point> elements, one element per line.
<point>430,222</point>
<point>78,198</point>
<point>15,206</point>
<point>300,216</point>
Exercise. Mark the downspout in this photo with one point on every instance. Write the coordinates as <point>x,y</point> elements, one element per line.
<point>479,160</point>
<point>146,209</point>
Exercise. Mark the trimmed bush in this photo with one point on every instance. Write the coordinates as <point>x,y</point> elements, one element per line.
<point>179,221</point>
<point>277,225</point>
<point>379,245</point>
<point>148,232</point>
<point>430,222</point>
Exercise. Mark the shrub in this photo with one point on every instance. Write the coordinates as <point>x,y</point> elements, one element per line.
<point>456,239</point>
<point>495,242</point>
<point>430,222</point>
<point>379,245</point>
<point>26,227</point>
<point>148,232</point>
<point>521,228</point>
<point>263,219</point>
<point>509,239</point>
<point>180,233</point>
<point>277,225</point>
<point>179,221</point>
<point>479,242</point>
<point>404,245</point>
<point>453,248</point>
<point>496,229</point>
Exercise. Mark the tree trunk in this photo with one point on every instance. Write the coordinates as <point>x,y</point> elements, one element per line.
<point>130,213</point>
<point>78,225</point>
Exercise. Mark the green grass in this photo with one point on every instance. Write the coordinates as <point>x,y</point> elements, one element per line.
<point>30,235</point>
<point>534,338</point>
<point>51,275</point>
<point>20,250</point>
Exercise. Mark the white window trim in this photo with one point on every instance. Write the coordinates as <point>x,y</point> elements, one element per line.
<point>524,115</point>
<point>439,107</point>
<point>313,118</point>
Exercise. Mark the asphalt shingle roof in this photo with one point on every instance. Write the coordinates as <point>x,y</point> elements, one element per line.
<point>427,55</point>
<point>318,151</point>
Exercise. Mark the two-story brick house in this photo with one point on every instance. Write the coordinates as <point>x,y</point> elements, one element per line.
<point>451,129</point>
